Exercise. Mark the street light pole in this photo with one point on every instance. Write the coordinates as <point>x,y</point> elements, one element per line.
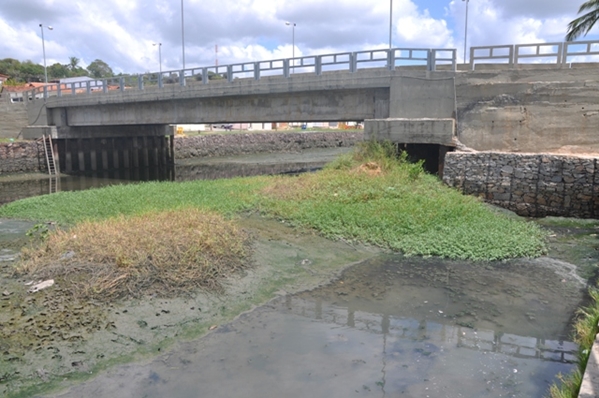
<point>183,32</point>
<point>44,51</point>
<point>466,31</point>
<point>292,24</point>
<point>390,24</point>
<point>159,54</point>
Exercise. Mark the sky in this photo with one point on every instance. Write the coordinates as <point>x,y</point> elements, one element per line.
<point>122,33</point>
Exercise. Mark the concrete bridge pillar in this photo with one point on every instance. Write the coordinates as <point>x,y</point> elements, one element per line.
<point>422,119</point>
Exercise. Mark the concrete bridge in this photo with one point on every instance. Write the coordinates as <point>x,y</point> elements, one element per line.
<point>416,97</point>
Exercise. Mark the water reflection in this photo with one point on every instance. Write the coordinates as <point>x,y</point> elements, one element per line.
<point>377,331</point>
<point>485,341</point>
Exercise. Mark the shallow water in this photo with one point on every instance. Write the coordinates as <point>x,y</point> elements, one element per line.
<point>391,326</point>
<point>19,186</point>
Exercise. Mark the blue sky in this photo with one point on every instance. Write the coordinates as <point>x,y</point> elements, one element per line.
<point>121,32</point>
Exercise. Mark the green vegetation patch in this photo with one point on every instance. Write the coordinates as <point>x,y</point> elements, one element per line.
<point>372,197</point>
<point>369,196</point>
<point>226,197</point>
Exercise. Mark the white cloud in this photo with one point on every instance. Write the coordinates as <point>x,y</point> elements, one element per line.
<point>121,32</point>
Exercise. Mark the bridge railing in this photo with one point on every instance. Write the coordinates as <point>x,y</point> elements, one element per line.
<point>557,53</point>
<point>315,64</point>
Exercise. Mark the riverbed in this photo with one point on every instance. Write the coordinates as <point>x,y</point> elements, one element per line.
<point>313,317</point>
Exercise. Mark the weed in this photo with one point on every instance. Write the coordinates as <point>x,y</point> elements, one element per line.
<point>585,329</point>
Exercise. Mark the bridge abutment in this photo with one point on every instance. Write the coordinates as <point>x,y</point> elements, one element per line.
<point>421,119</point>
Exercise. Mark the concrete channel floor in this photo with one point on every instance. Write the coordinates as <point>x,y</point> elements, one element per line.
<point>590,381</point>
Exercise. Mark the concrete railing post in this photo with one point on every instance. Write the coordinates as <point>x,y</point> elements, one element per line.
<point>353,62</point>
<point>105,86</point>
<point>256,70</point>
<point>140,82</point>
<point>560,54</point>
<point>204,75</point>
<point>229,73</point>
<point>122,84</point>
<point>430,62</point>
<point>454,59</point>
<point>58,90</point>
<point>45,92</point>
<point>318,65</point>
<point>182,78</point>
<point>88,87</point>
<point>390,59</point>
<point>160,83</point>
<point>286,68</point>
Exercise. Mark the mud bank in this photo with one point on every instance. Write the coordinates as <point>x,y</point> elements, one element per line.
<point>50,341</point>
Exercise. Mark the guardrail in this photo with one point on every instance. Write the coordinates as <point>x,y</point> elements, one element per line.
<point>558,53</point>
<point>315,64</point>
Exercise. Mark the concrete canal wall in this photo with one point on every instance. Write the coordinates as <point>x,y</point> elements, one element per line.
<point>534,185</point>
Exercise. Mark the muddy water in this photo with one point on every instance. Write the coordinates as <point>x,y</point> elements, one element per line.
<point>389,326</point>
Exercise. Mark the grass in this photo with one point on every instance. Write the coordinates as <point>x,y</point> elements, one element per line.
<point>226,197</point>
<point>161,253</point>
<point>368,196</point>
<point>585,331</point>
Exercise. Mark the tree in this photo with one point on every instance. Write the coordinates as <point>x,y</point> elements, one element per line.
<point>31,72</point>
<point>58,71</point>
<point>10,67</point>
<point>73,63</point>
<point>100,69</point>
<point>583,24</point>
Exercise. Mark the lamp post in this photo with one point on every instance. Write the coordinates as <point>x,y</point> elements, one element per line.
<point>159,54</point>
<point>292,24</point>
<point>183,32</point>
<point>44,51</point>
<point>390,24</point>
<point>466,31</point>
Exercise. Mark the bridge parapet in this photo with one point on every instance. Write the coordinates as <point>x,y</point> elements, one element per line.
<point>557,53</point>
<point>313,64</point>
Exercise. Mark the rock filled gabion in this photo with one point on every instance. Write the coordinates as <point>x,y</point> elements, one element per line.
<point>531,185</point>
<point>16,157</point>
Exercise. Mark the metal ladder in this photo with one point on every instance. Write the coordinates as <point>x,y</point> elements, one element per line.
<point>54,183</point>
<point>49,152</point>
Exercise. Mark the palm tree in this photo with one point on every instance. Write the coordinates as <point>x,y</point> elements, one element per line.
<point>583,24</point>
<point>73,63</point>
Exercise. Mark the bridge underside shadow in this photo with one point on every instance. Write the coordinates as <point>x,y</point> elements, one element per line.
<point>116,148</point>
